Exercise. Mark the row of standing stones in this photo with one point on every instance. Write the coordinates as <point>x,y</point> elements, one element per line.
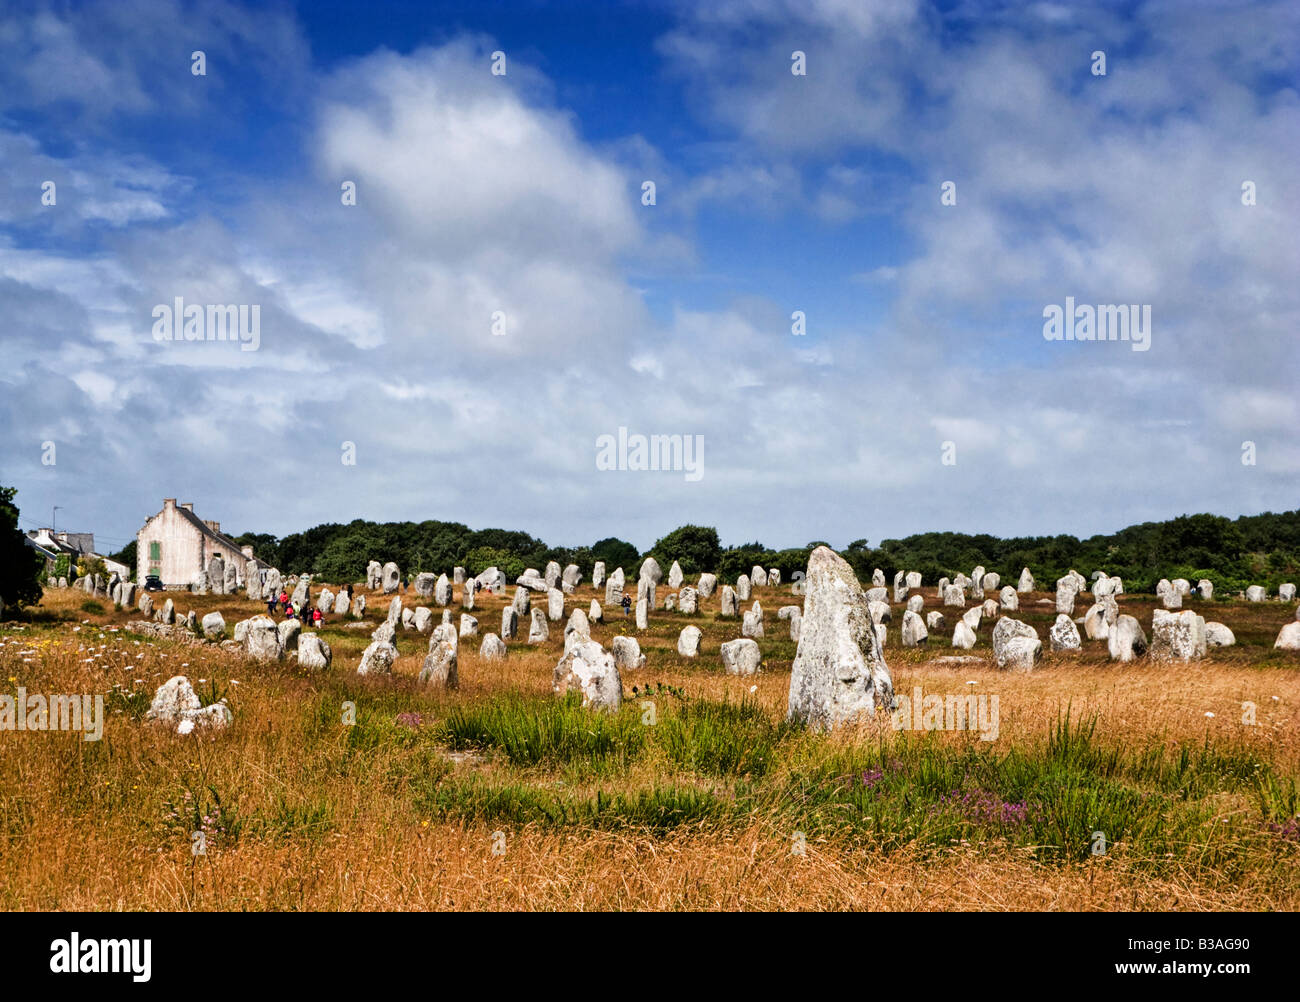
<point>839,671</point>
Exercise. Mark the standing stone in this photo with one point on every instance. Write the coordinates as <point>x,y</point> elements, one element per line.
<point>878,595</point>
<point>440,663</point>
<point>1009,599</point>
<point>879,612</point>
<point>555,605</point>
<point>614,587</point>
<point>1177,636</point>
<point>839,670</point>
<point>394,611</point>
<point>730,601</point>
<point>590,670</point>
<point>468,625</point>
<point>990,609</point>
<point>1095,624</point>
<point>1172,598</point>
<point>214,626</point>
<point>675,575</point>
<point>796,626</point>
<point>385,632</point>
<point>570,578</point>
<point>1218,635</point>
<point>262,640</point>
<point>598,574</point>
<point>231,580</point>
<point>492,648</point>
<point>1288,638</point>
<point>1286,592</point>
<point>1255,593</point>
<point>538,631</point>
<point>341,603</point>
<point>688,642</point>
<point>963,637</point>
<point>751,625</point>
<point>687,600</point>
<point>596,614</point>
<point>912,579</point>
<point>522,600</point>
<point>1206,588</point>
<point>1065,592</point>
<point>1125,641</point>
<point>374,575</point>
<point>707,584</point>
<point>359,606</point>
<point>915,603</point>
<point>991,581</point>
<point>773,576</point>
<point>325,600</point>
<point>642,618</point>
<point>578,625</point>
<point>954,595</point>
<point>935,621</point>
<point>290,630</point>
<point>217,575</point>
<point>1016,646</point>
<point>914,631</point>
<point>301,596</point>
<point>168,613</point>
<point>971,617</point>
<point>442,590</point>
<point>1064,635</point>
<point>422,620</point>
<point>1182,586</point>
<point>468,590</point>
<point>552,574</point>
<point>199,584</point>
<point>877,578</point>
<point>1026,581</point>
<point>458,575</point>
<point>509,623</point>
<point>146,604</point>
<point>743,588</point>
<point>313,651</point>
<point>424,584</point>
<point>741,657</point>
<point>650,571</point>
<point>627,653</point>
<point>757,577</point>
<point>392,578</point>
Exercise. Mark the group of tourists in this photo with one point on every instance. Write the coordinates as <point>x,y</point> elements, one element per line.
<point>309,616</point>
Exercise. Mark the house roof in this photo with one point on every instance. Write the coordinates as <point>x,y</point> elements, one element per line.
<point>40,549</point>
<point>206,529</point>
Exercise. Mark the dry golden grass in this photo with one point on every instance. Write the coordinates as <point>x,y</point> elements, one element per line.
<point>339,818</point>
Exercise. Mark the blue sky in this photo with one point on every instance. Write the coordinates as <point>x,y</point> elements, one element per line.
<point>775,193</point>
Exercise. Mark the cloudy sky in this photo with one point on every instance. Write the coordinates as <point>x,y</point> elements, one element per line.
<point>520,195</point>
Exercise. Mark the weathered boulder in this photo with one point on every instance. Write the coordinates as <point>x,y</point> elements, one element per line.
<point>1177,636</point>
<point>1206,587</point>
<point>555,605</point>
<point>839,671</point>
<point>439,668</point>
<point>377,659</point>
<point>627,652</point>
<point>492,648</point>
<point>914,631</point>
<point>741,657</point>
<point>1064,635</point>
<point>214,626</point>
<point>509,623</point>
<point>1288,639</point>
<point>442,591</point>
<point>1125,640</point>
<point>935,621</point>
<point>289,630</point>
<point>1218,635</point>
<point>963,637</point>
<point>468,625</point>
<point>1016,646</point>
<point>730,601</point>
<point>688,642</point>
<point>175,703</point>
<point>954,595</point>
<point>422,620</point>
<point>1026,581</point>
<point>313,651</point>
<point>538,631</point>
<point>1255,593</point>
<point>1009,599</point>
<point>598,574</point>
<point>590,670</point>
<point>261,639</point>
<point>391,578</point>
<point>688,600</point>
<point>707,585</point>
<point>743,588</point>
<point>751,624</point>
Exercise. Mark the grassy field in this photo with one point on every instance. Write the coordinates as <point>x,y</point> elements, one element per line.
<point>501,796</point>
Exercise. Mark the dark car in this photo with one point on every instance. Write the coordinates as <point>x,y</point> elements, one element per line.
<point>153,583</point>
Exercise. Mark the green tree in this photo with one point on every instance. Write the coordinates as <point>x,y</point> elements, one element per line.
<point>21,566</point>
<point>616,553</point>
<point>694,547</point>
<point>126,555</point>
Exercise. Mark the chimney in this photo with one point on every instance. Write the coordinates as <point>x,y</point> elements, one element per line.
<point>188,506</point>
<point>169,503</point>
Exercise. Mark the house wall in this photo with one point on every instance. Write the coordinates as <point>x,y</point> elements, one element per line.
<point>184,549</point>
